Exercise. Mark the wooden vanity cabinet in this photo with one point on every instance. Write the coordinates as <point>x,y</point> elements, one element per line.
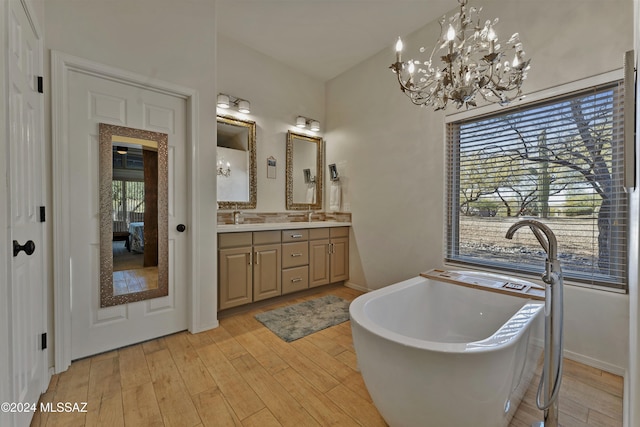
<point>319,257</point>
<point>329,255</point>
<point>256,265</point>
<point>267,265</point>
<point>339,254</point>
<point>249,267</point>
<point>295,260</point>
<point>235,269</point>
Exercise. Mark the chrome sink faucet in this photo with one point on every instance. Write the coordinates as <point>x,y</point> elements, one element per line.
<point>550,245</point>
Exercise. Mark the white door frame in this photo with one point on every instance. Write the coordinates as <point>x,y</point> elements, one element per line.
<point>61,65</point>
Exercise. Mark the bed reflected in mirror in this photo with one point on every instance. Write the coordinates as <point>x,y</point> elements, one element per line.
<point>134,182</point>
<point>133,215</point>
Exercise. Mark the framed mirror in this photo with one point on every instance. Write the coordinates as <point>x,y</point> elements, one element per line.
<point>133,215</point>
<point>236,163</point>
<point>304,172</point>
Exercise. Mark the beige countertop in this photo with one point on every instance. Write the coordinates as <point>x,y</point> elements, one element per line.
<point>234,228</point>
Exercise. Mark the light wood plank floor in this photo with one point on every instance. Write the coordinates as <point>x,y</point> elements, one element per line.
<point>241,374</point>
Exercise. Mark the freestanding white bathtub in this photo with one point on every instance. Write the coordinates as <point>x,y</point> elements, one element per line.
<point>436,354</point>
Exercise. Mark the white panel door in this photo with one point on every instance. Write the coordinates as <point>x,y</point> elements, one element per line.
<point>93,100</point>
<point>26,165</point>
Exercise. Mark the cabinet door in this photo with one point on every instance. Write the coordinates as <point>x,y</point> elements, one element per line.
<point>234,277</point>
<point>339,259</point>
<point>318,262</point>
<point>266,272</point>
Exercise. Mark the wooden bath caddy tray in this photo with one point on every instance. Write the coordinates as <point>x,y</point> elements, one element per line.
<point>499,284</point>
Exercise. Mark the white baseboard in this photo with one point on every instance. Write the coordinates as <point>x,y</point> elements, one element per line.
<point>595,363</point>
<point>356,287</point>
<point>203,328</point>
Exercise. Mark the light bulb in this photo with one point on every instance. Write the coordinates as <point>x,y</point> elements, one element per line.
<point>411,67</point>
<point>491,35</point>
<point>244,106</point>
<point>451,33</point>
<point>399,45</point>
<point>398,49</point>
<point>223,101</point>
<point>516,61</point>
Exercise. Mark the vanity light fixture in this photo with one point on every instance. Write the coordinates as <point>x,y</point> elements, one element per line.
<point>302,122</point>
<point>244,106</point>
<point>223,101</point>
<point>473,64</point>
<point>227,101</point>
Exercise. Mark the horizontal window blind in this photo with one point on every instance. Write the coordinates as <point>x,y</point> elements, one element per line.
<point>127,202</point>
<point>560,162</point>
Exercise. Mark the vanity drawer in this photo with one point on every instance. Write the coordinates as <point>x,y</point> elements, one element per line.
<point>266,237</point>
<point>295,279</point>
<point>339,231</point>
<point>234,240</point>
<point>295,254</point>
<point>295,235</point>
<point>318,233</point>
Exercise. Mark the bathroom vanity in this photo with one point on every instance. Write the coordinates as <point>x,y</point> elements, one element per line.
<point>265,260</point>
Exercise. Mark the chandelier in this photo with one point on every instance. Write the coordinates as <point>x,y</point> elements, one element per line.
<point>224,168</point>
<point>473,62</point>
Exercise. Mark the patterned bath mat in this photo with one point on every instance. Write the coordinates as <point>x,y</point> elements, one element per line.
<point>299,320</point>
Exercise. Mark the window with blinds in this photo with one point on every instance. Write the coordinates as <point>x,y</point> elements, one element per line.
<point>560,162</point>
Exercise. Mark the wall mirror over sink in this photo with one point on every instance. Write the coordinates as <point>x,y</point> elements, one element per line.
<point>236,163</point>
<point>133,215</point>
<point>304,172</point>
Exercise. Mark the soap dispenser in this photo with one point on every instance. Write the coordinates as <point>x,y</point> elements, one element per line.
<point>237,216</point>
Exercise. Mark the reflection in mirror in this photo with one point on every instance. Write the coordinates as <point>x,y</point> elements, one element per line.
<point>236,163</point>
<point>304,172</point>
<point>133,215</point>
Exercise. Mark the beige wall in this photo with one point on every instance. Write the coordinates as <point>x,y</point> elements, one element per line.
<point>278,94</point>
<point>394,154</point>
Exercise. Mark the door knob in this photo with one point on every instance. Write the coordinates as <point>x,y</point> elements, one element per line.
<point>28,247</point>
<point>181,228</point>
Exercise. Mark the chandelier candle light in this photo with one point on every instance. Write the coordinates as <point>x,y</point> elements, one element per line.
<point>224,168</point>
<point>473,62</point>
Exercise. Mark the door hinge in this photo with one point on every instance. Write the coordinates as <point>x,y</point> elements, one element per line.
<point>43,341</point>
<point>42,214</point>
<point>40,84</point>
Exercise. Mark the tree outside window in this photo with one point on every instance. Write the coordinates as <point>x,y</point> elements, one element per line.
<point>559,161</point>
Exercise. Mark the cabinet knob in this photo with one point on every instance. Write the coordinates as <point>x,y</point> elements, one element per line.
<point>181,228</point>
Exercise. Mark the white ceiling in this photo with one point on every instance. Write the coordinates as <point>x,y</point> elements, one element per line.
<point>324,38</point>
